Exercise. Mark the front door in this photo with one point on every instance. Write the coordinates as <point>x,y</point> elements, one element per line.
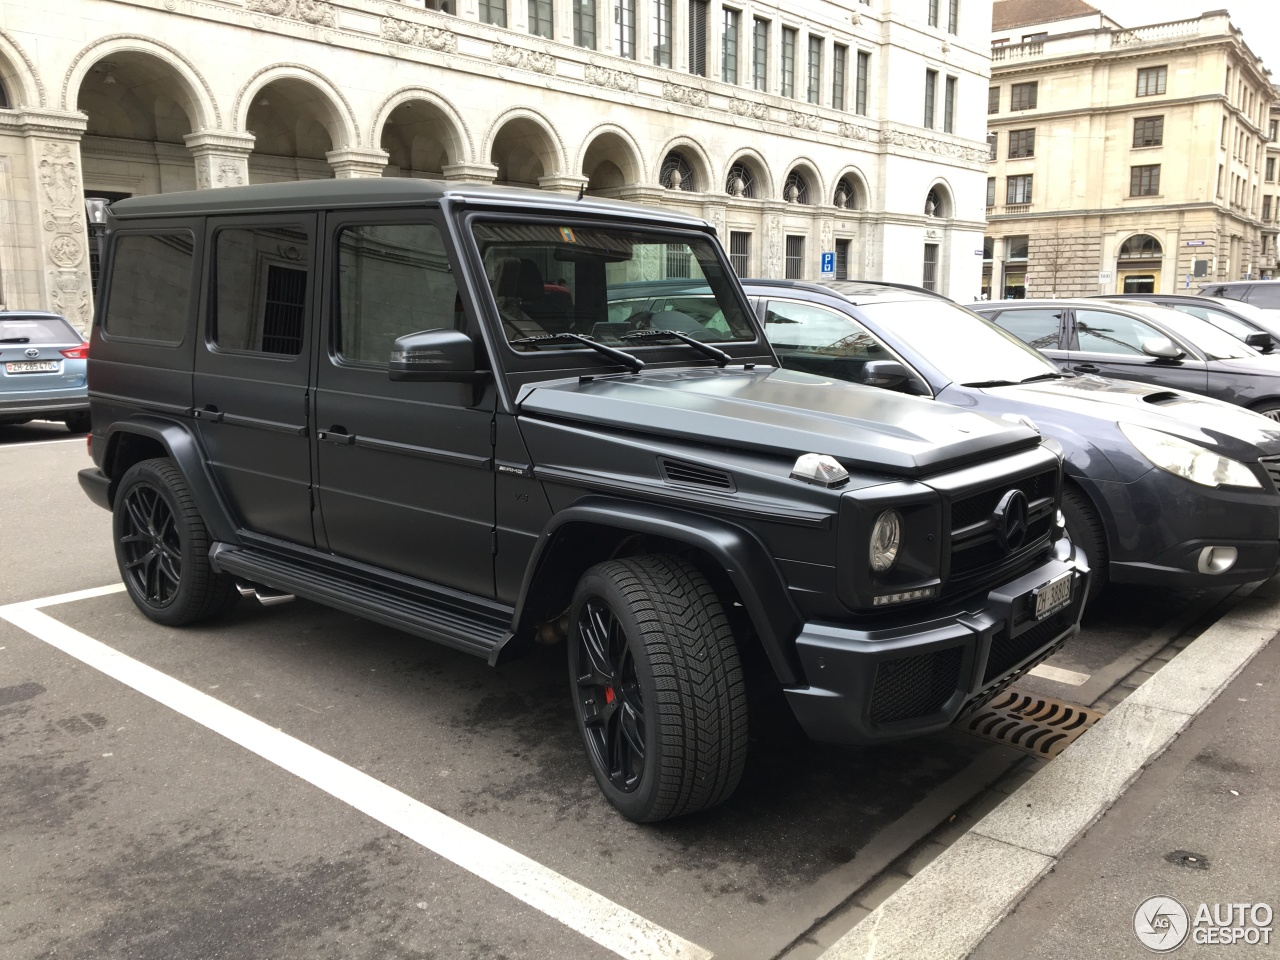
<point>404,470</point>
<point>1110,344</point>
<point>252,367</point>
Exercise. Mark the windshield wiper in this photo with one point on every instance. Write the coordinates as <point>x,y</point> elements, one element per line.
<point>626,359</point>
<point>715,353</point>
<point>990,383</point>
<point>15,340</point>
<point>1044,376</point>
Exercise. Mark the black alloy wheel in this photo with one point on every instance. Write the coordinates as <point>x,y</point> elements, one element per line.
<point>609,698</point>
<point>150,551</point>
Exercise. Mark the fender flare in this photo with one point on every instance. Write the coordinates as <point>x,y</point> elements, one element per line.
<point>183,447</point>
<point>739,552</point>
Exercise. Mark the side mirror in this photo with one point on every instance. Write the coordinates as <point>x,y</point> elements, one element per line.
<point>884,373</point>
<point>434,356</point>
<point>1162,348</point>
<point>1262,342</point>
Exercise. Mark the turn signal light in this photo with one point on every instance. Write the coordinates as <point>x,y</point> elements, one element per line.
<point>76,353</point>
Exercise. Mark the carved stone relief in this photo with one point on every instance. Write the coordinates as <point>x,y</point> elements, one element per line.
<point>806,121</point>
<point>418,35</point>
<point>686,95</point>
<point>524,59</point>
<point>316,12</point>
<point>857,131</point>
<point>63,213</point>
<point>774,242</point>
<point>610,78</point>
<point>747,108</point>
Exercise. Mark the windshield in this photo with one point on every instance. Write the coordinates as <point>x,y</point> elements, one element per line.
<point>604,282</point>
<point>962,346</point>
<point>1215,344</point>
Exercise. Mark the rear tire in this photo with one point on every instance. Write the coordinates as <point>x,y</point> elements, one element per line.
<point>657,687</point>
<point>1269,409</point>
<point>79,422</point>
<point>1085,529</point>
<point>162,547</point>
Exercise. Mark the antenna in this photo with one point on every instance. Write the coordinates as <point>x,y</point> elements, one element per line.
<point>582,188</point>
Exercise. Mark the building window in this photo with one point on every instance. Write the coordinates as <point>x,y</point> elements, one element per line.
<point>729,46</point>
<point>839,74</point>
<point>930,93</point>
<point>788,62</point>
<point>933,13</point>
<point>760,54</point>
<point>1023,96</point>
<point>1151,81</point>
<point>815,69</point>
<point>1144,181</point>
<point>740,252</point>
<point>1218,191</point>
<point>949,106</point>
<point>698,37</point>
<point>1266,208</point>
<point>993,143</point>
<point>953,16</point>
<point>1148,131</point>
<point>1271,168</point>
<point>676,173</point>
<point>662,32</point>
<point>993,100</point>
<point>1015,248</point>
<point>1273,131</point>
<point>842,259</point>
<point>740,182</point>
<point>860,93</point>
<point>795,258</point>
<point>584,23</point>
<point>930,281</point>
<point>494,12</point>
<point>847,195</point>
<point>796,189</point>
<point>988,248</point>
<point>1018,189</point>
<point>540,18</point>
<point>624,28</point>
<point>991,191</point>
<point>1022,143</point>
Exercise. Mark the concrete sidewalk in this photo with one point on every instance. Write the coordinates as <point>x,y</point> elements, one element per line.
<point>1185,767</point>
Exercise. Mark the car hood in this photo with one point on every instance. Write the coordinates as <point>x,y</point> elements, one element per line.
<point>1230,429</point>
<point>783,412</point>
<point>1264,365</point>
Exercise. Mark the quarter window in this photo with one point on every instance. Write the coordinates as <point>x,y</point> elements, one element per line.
<point>261,289</point>
<point>150,287</point>
<point>1151,81</point>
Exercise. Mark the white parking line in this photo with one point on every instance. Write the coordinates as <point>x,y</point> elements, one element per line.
<point>612,926</point>
<point>39,443</point>
<point>1057,673</point>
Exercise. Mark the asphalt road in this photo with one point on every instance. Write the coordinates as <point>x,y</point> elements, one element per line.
<point>133,828</point>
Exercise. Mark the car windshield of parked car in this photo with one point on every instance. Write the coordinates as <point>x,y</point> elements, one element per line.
<point>36,330</point>
<point>559,281</point>
<point>1219,318</point>
<point>1215,344</point>
<point>961,345</point>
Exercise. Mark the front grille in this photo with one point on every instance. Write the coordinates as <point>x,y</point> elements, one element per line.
<point>990,553</point>
<point>975,545</point>
<point>1007,652</point>
<point>1272,466</point>
<point>678,471</point>
<point>978,507</point>
<point>911,687</point>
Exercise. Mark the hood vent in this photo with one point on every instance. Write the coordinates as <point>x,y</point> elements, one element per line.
<point>1162,397</point>
<point>695,475</point>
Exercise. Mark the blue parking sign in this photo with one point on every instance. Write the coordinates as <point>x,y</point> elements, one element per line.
<point>828,264</point>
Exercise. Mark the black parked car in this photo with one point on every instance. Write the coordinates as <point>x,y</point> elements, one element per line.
<point>1263,294</point>
<point>1163,487</point>
<point>415,402</point>
<point>1241,320</point>
<point>1151,344</point>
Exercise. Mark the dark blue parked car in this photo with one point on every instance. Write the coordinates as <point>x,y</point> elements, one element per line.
<point>1164,487</point>
<point>42,370</point>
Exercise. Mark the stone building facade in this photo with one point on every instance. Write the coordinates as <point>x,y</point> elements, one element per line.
<point>1123,160</point>
<point>850,127</point>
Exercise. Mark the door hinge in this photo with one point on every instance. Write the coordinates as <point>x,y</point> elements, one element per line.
<point>493,432</point>
<point>493,542</point>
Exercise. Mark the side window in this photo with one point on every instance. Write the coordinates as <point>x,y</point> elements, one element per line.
<point>1223,321</point>
<point>804,328</point>
<point>1102,332</point>
<point>1036,328</point>
<point>1265,295</point>
<point>392,280</point>
<point>261,299</point>
<point>150,287</point>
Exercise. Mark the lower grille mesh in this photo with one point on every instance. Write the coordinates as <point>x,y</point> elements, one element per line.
<point>1007,652</point>
<point>915,686</point>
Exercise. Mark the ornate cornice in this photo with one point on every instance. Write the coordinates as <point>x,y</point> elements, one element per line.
<point>315,12</point>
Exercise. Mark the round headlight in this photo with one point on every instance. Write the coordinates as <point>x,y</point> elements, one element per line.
<point>886,535</point>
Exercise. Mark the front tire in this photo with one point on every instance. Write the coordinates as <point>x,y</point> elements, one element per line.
<point>1085,529</point>
<point>657,687</point>
<point>1269,409</point>
<point>162,547</point>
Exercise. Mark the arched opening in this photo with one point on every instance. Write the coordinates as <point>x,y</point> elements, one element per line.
<point>796,187</point>
<point>610,163</point>
<point>677,173</point>
<point>851,193</point>
<point>5,102</point>
<point>743,181</point>
<point>523,152</point>
<point>938,202</point>
<point>294,124</point>
<point>1138,264</point>
<point>420,139</point>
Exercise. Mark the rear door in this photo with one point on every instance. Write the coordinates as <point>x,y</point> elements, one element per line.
<point>1109,343</point>
<point>251,371</point>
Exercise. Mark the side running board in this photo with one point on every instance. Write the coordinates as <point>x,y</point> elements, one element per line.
<point>451,621</point>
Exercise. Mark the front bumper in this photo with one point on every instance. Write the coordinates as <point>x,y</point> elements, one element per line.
<point>868,686</point>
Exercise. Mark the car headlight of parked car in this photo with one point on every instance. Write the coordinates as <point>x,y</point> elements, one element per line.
<point>1185,459</point>
<point>886,535</point>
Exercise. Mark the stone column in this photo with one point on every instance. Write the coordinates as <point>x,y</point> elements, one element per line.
<point>221,157</point>
<point>349,164</point>
<point>473,172</point>
<point>56,205</point>
<point>561,183</point>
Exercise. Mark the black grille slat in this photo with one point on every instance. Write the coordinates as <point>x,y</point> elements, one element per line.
<point>678,471</point>
<point>1272,466</point>
<point>912,687</point>
<point>1007,652</point>
<point>978,551</point>
<point>985,555</point>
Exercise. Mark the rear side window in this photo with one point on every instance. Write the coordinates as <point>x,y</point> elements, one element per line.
<point>1036,328</point>
<point>262,279</point>
<point>1266,295</point>
<point>392,280</point>
<point>150,287</point>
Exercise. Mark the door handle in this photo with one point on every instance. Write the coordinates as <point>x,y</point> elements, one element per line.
<point>208,412</point>
<point>1086,368</point>
<point>336,434</point>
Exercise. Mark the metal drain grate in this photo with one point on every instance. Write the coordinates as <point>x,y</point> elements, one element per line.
<point>1041,726</point>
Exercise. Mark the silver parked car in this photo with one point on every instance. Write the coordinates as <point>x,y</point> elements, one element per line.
<point>42,370</point>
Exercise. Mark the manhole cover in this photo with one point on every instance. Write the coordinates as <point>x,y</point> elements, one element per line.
<point>1041,726</point>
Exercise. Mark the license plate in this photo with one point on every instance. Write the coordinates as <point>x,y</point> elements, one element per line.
<point>1053,596</point>
<point>32,366</point>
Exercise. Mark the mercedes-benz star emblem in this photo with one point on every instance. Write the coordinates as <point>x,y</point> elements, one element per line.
<point>32,352</point>
<point>1012,520</point>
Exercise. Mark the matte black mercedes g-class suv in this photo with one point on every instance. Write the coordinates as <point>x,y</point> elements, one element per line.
<point>425,404</point>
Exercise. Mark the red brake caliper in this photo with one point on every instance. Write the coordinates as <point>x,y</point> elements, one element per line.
<point>608,695</point>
